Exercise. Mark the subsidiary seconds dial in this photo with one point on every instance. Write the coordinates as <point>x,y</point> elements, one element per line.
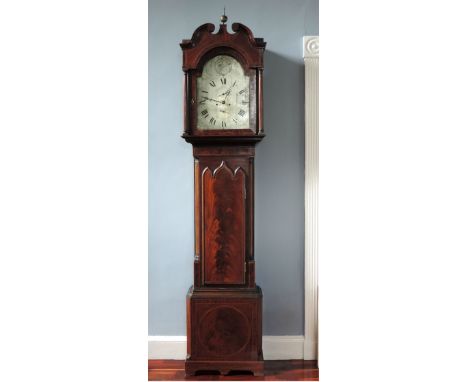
<point>222,95</point>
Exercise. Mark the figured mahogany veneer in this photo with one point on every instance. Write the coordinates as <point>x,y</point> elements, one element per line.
<point>223,199</point>
<point>224,305</point>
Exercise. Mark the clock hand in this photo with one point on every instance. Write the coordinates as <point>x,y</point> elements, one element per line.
<point>213,100</point>
<point>218,101</point>
<point>228,91</point>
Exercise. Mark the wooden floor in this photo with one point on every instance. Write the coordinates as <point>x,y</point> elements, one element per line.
<point>291,370</point>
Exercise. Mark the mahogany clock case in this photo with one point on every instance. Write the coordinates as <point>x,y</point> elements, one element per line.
<point>224,305</point>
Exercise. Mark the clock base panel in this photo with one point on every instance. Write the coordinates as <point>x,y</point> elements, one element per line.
<point>224,330</point>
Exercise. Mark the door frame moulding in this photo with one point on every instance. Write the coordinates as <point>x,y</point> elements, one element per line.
<point>311,62</point>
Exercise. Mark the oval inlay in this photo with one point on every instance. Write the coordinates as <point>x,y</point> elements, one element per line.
<point>224,331</point>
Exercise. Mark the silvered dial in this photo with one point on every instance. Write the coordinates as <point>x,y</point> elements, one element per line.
<point>222,95</point>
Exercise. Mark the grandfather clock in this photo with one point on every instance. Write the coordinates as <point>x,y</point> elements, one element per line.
<point>224,122</point>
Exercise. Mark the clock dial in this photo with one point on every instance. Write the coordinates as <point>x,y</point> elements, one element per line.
<point>222,95</point>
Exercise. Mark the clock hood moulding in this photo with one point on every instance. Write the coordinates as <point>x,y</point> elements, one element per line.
<point>203,40</point>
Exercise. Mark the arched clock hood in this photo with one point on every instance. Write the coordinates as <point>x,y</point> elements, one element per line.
<point>248,51</point>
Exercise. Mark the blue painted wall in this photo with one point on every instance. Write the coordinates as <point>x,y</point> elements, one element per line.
<point>279,215</point>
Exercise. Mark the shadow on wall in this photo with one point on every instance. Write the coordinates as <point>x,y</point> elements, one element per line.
<point>279,202</point>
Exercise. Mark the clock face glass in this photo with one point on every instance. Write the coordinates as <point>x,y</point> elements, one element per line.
<point>222,95</point>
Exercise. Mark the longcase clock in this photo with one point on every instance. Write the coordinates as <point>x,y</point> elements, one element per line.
<point>223,122</point>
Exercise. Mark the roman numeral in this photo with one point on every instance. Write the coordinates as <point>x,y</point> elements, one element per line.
<point>212,83</point>
<point>242,91</point>
<point>223,124</point>
<point>204,91</point>
<point>213,121</point>
<point>223,81</point>
<point>235,120</point>
<point>245,102</point>
<point>241,112</point>
<point>204,112</point>
<point>234,84</point>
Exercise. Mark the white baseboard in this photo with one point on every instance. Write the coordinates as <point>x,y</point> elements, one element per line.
<point>274,347</point>
<point>167,347</point>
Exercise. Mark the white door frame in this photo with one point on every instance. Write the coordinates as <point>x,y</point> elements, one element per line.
<point>311,62</point>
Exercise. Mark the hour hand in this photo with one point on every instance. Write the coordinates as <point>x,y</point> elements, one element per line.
<point>211,99</point>
<point>227,92</point>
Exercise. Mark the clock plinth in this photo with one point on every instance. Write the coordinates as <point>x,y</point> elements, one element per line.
<point>224,122</point>
<point>224,331</point>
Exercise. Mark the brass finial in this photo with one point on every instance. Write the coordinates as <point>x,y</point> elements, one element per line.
<point>224,18</point>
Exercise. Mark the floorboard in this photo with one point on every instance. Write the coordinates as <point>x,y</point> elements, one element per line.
<point>288,370</point>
